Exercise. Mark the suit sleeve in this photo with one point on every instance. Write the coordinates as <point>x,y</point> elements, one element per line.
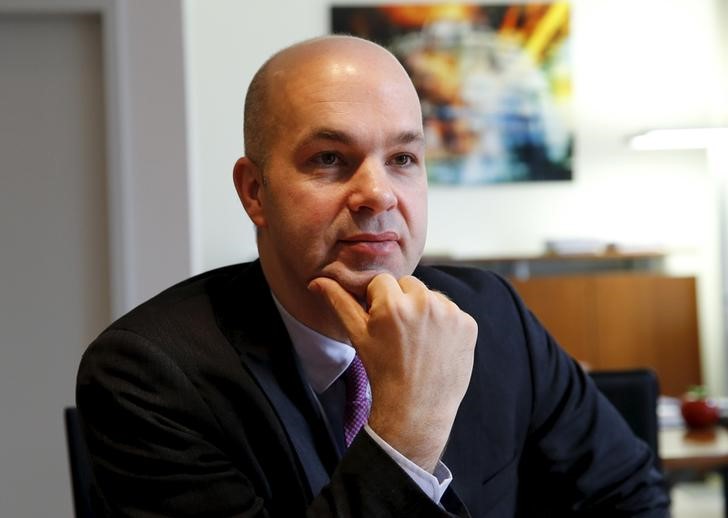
<point>592,463</point>
<point>158,449</point>
<point>368,482</point>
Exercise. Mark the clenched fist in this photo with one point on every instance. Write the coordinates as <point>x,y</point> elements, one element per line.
<point>417,347</point>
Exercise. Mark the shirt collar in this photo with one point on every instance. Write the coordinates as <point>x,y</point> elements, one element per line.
<point>323,359</point>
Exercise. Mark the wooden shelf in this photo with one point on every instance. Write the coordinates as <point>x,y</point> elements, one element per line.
<point>606,256</point>
<point>523,267</point>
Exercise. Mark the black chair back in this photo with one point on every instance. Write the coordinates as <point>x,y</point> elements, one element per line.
<point>81,474</point>
<point>634,394</point>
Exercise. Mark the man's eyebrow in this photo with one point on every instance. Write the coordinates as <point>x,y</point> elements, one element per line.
<point>409,137</point>
<point>327,134</point>
<point>332,135</point>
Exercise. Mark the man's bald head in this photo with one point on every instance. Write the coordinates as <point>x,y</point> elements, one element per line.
<point>261,116</point>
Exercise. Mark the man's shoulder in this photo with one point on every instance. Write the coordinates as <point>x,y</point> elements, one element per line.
<point>196,301</point>
<point>475,290</point>
<point>194,324</point>
<point>463,281</point>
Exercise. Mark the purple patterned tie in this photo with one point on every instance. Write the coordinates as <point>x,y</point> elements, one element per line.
<point>357,402</point>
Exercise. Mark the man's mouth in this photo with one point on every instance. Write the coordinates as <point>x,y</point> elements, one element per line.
<point>373,244</point>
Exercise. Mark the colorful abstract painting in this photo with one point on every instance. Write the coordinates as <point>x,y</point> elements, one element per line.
<point>494,82</point>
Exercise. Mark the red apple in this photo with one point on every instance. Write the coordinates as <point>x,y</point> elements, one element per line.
<point>699,412</point>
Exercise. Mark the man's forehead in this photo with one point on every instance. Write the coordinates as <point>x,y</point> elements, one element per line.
<point>354,91</point>
<point>348,118</point>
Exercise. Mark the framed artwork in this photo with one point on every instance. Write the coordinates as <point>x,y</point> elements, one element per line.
<point>494,82</point>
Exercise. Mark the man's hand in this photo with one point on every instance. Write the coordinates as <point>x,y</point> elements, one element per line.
<point>417,347</point>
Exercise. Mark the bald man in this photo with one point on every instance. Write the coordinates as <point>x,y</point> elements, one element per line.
<point>229,394</point>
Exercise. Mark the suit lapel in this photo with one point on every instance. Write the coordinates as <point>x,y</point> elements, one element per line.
<point>298,431</point>
<point>251,321</point>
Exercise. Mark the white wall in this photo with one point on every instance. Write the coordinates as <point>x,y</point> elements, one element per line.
<point>636,65</point>
<point>151,246</point>
<point>225,42</point>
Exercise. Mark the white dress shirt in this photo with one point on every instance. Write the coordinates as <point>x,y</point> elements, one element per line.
<point>324,360</point>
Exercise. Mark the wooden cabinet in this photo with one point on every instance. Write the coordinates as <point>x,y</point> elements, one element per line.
<point>622,320</point>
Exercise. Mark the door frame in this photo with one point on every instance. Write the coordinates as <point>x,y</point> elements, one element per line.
<point>136,268</point>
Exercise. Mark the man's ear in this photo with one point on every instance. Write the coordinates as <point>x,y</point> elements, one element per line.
<point>248,180</point>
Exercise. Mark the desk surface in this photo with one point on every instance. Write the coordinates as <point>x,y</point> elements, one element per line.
<point>701,450</point>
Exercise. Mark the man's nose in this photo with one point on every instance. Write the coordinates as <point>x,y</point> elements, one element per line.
<point>371,188</point>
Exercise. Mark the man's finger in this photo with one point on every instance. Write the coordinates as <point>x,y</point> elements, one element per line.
<point>409,284</point>
<point>382,287</point>
<point>351,315</point>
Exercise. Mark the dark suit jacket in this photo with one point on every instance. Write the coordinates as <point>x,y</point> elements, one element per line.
<point>194,405</point>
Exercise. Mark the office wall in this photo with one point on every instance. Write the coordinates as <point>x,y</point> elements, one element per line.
<point>636,65</point>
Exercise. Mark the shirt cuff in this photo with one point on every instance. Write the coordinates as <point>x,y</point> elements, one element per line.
<point>433,484</point>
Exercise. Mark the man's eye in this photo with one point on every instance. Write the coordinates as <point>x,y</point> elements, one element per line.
<point>327,159</point>
<point>402,160</point>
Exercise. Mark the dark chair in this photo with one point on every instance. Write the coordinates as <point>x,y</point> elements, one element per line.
<point>634,394</point>
<point>81,475</point>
